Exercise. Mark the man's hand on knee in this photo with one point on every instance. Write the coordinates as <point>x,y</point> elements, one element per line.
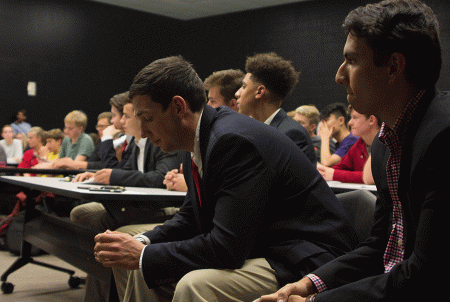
<point>293,292</point>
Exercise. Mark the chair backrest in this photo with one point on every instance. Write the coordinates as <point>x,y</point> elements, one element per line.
<point>360,207</point>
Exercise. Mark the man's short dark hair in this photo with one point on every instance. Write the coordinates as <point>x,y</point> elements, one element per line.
<point>405,26</point>
<point>229,81</point>
<point>337,109</point>
<point>55,134</point>
<point>274,72</point>
<point>165,78</point>
<point>24,112</point>
<point>350,110</point>
<point>119,100</point>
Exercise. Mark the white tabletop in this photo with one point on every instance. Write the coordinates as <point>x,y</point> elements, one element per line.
<point>60,186</point>
<point>351,186</point>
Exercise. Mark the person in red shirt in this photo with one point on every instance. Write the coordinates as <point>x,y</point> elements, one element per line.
<point>350,168</point>
<point>37,151</point>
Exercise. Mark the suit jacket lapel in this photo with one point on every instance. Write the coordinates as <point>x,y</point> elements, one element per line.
<point>208,117</point>
<point>131,150</point>
<point>146,154</point>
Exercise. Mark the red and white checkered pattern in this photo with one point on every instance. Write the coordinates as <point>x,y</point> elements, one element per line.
<point>393,139</point>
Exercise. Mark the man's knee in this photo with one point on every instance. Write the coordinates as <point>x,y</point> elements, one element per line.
<point>254,279</point>
<point>86,211</point>
<point>190,285</point>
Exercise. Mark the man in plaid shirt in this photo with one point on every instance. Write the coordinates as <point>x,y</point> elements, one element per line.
<point>392,63</point>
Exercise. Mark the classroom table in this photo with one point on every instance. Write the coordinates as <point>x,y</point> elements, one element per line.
<point>12,170</point>
<point>72,242</point>
<point>341,187</point>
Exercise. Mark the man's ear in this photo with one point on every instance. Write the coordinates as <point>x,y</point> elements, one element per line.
<point>233,104</point>
<point>261,90</point>
<point>179,105</point>
<point>397,66</point>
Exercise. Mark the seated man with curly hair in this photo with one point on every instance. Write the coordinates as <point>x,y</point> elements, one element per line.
<point>269,79</point>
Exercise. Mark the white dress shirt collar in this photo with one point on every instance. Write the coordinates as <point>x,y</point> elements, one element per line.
<point>140,159</point>
<point>270,119</point>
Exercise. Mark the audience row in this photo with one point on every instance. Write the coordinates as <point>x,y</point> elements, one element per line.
<point>259,218</point>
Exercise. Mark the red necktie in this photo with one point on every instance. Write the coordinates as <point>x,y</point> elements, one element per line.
<point>124,146</point>
<point>196,177</point>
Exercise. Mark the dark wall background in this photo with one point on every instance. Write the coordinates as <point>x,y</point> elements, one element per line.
<point>81,53</point>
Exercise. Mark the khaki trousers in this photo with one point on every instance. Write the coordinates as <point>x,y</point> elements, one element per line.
<point>93,215</point>
<point>254,279</point>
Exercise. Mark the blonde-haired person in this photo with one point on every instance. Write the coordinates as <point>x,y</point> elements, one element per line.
<point>24,140</point>
<point>112,150</point>
<point>37,151</point>
<point>77,145</point>
<point>309,117</point>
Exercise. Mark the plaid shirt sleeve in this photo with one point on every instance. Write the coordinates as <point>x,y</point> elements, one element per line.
<point>319,284</point>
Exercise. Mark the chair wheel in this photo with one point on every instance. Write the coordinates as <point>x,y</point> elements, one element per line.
<point>7,287</point>
<point>74,282</point>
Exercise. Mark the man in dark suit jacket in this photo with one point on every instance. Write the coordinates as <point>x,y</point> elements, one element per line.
<point>404,259</point>
<point>268,81</point>
<point>252,196</point>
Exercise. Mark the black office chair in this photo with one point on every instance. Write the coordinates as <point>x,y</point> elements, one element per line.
<point>360,207</point>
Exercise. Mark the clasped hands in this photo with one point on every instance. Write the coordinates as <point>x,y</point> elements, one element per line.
<point>174,180</point>
<point>293,292</point>
<point>119,250</point>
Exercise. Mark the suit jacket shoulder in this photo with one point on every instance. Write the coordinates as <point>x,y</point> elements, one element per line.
<point>108,154</point>
<point>156,165</point>
<point>296,132</point>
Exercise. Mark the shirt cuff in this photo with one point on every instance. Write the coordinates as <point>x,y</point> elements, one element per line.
<point>142,238</point>
<point>106,137</point>
<point>146,241</point>
<point>320,285</point>
<point>140,262</point>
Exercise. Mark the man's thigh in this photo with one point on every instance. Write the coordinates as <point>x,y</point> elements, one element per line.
<point>135,229</point>
<point>254,279</point>
<point>92,215</point>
